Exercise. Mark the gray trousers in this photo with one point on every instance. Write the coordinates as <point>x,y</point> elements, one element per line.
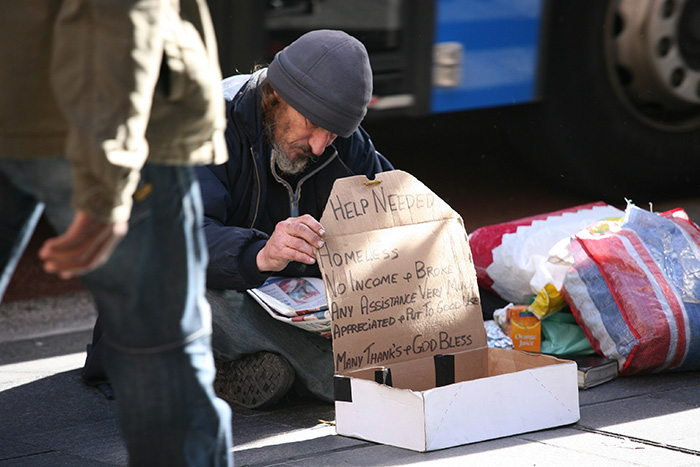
<point>242,327</point>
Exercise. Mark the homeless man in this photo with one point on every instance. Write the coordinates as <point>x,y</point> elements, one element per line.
<point>293,129</point>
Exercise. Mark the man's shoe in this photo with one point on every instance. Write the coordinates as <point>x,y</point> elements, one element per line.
<point>254,381</point>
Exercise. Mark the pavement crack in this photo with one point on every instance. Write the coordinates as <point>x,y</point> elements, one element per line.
<point>282,460</point>
<point>25,456</point>
<point>638,440</point>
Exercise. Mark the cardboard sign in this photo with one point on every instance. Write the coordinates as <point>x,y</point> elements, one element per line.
<point>399,277</point>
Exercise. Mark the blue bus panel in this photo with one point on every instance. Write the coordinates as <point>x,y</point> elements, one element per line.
<point>499,52</point>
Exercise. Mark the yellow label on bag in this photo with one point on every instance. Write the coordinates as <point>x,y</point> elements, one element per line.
<point>525,329</point>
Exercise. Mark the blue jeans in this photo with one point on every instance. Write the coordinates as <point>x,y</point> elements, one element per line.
<point>150,297</point>
<point>242,326</point>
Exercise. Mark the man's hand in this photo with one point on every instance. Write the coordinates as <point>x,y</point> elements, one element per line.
<point>294,239</point>
<point>85,246</point>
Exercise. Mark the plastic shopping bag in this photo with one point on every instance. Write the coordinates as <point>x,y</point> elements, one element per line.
<point>512,258</point>
<point>562,335</point>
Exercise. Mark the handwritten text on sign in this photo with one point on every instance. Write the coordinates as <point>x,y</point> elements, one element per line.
<point>399,291</point>
<point>379,201</point>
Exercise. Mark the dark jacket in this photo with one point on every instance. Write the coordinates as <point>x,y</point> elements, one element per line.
<point>244,200</point>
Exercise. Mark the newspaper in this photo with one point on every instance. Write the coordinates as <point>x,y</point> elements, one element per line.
<point>299,301</point>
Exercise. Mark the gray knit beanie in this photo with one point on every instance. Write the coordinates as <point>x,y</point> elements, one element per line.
<point>325,76</point>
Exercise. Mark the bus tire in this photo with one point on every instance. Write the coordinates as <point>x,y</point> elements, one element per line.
<point>589,131</point>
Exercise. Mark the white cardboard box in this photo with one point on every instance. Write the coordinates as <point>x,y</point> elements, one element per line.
<point>412,366</point>
<point>536,394</point>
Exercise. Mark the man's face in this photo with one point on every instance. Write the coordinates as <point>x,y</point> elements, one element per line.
<point>295,140</point>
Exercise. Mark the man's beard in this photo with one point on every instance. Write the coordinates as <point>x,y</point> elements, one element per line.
<point>275,130</point>
<point>287,165</point>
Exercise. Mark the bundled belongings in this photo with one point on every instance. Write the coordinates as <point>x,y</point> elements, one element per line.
<point>512,259</point>
<point>412,366</point>
<point>631,281</point>
<point>524,261</point>
<point>635,289</point>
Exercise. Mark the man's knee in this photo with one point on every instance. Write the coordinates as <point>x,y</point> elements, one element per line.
<point>225,302</point>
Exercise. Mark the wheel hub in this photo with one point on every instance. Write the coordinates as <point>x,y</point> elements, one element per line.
<point>655,57</point>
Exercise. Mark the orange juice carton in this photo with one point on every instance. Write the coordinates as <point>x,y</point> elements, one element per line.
<point>525,328</point>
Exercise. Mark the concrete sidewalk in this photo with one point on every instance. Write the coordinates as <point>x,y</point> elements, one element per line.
<point>48,418</point>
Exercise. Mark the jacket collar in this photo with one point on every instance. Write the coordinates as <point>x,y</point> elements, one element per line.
<point>247,110</point>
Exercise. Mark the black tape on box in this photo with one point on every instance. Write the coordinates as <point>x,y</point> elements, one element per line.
<point>444,370</point>
<point>342,389</point>
<point>383,376</point>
